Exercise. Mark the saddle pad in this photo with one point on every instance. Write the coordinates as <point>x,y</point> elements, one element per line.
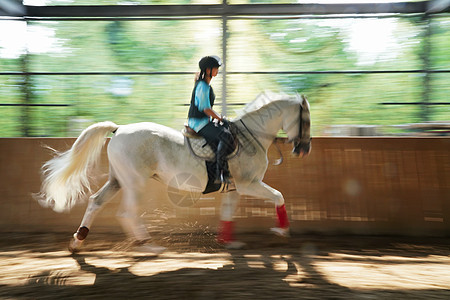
<point>200,148</point>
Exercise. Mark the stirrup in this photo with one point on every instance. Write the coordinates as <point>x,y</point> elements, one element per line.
<point>223,179</point>
<point>231,187</point>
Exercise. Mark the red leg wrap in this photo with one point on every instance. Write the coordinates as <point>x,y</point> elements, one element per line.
<point>283,221</point>
<point>226,232</point>
<point>82,233</point>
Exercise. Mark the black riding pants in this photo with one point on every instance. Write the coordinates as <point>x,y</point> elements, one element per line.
<point>214,134</point>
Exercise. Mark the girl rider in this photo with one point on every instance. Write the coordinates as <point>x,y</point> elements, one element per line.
<point>201,116</point>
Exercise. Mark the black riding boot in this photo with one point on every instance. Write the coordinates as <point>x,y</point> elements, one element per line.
<point>222,172</point>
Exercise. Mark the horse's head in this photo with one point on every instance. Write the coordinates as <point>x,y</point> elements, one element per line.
<point>299,130</point>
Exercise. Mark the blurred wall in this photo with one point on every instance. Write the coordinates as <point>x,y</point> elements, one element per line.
<point>346,186</point>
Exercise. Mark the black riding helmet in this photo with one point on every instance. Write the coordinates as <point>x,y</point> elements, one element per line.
<point>212,61</point>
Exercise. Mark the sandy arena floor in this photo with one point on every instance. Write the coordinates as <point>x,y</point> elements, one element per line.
<point>38,266</point>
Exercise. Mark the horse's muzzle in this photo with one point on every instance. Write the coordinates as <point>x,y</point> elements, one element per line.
<point>301,149</point>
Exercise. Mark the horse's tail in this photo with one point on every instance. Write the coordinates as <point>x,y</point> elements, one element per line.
<point>66,179</point>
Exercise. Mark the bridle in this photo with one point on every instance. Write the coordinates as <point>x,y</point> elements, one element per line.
<point>300,131</point>
<point>297,141</point>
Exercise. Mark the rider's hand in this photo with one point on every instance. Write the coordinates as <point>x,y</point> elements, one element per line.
<point>224,121</point>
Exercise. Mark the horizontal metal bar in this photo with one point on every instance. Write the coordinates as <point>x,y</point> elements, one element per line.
<point>223,9</point>
<point>23,104</point>
<point>341,72</point>
<point>229,73</point>
<point>331,16</point>
<point>325,9</point>
<point>218,104</point>
<point>195,18</point>
<point>11,7</point>
<point>95,73</point>
<point>90,19</point>
<point>414,103</point>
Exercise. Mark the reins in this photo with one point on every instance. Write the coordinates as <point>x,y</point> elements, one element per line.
<point>278,161</point>
<point>252,135</point>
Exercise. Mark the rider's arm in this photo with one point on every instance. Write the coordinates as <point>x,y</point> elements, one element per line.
<point>211,113</point>
<point>202,101</point>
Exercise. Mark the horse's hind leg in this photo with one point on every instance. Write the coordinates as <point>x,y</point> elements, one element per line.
<point>128,215</point>
<point>132,224</point>
<point>96,201</point>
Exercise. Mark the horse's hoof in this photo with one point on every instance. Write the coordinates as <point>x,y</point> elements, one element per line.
<point>73,250</point>
<point>234,245</point>
<point>283,232</point>
<point>74,246</point>
<point>150,249</point>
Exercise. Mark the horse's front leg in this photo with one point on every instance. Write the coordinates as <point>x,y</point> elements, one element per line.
<point>226,231</point>
<point>261,190</point>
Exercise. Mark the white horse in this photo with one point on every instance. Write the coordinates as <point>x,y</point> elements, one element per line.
<point>140,151</point>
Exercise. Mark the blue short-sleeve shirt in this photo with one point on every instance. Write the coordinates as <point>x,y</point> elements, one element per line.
<point>202,102</point>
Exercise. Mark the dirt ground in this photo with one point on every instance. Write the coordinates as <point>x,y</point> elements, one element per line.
<point>38,266</point>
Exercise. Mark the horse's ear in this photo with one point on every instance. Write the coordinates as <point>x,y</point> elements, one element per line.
<point>305,103</point>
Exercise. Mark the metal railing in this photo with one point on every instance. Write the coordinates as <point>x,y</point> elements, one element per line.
<point>226,12</point>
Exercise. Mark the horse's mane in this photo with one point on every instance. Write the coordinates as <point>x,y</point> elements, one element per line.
<point>262,100</point>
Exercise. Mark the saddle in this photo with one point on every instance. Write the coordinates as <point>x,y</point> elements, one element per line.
<point>201,150</point>
<point>198,145</point>
<point>190,133</point>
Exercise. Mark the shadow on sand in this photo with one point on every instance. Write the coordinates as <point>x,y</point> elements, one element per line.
<point>267,271</point>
